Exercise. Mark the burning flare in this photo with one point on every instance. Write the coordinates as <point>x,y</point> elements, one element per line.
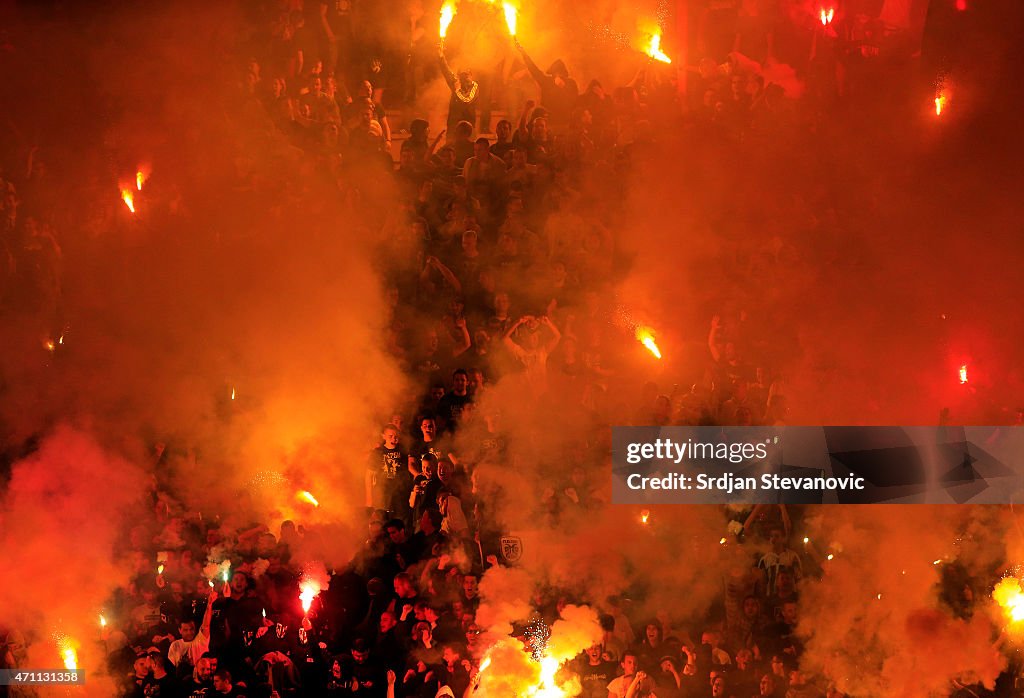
<point>305,496</point>
<point>963,374</point>
<point>1010,597</point>
<point>447,15</point>
<point>646,337</point>
<point>653,49</point>
<point>511,16</point>
<point>160,569</point>
<point>308,590</point>
<point>940,104</point>
<point>645,516</point>
<point>103,622</point>
<point>68,653</point>
<point>128,198</point>
<point>826,16</point>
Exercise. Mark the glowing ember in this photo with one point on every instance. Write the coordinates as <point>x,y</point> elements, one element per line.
<point>307,497</point>
<point>940,104</point>
<point>129,199</point>
<point>646,337</point>
<point>447,15</point>
<point>1010,597</point>
<point>963,374</point>
<point>510,17</point>
<point>826,16</point>
<point>645,516</point>
<point>654,51</point>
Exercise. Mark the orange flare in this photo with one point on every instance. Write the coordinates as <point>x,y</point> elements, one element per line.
<point>128,198</point>
<point>653,50</point>
<point>1010,597</point>
<point>645,516</point>
<point>826,16</point>
<point>447,15</point>
<point>963,374</point>
<point>510,17</point>
<point>646,337</point>
<point>307,497</point>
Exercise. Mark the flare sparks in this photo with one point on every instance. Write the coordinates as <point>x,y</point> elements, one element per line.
<point>645,335</point>
<point>308,590</point>
<point>67,652</point>
<point>826,16</point>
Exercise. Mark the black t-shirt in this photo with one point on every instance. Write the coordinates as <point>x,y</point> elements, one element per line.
<point>595,679</point>
<point>451,407</point>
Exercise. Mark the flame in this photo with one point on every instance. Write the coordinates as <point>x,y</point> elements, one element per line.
<point>160,569</point>
<point>68,653</point>
<point>722,541</point>
<point>940,104</point>
<point>646,337</point>
<point>447,15</point>
<point>653,50</point>
<point>211,583</point>
<point>645,515</point>
<point>307,497</point>
<point>232,393</point>
<point>49,345</point>
<point>963,374</point>
<point>511,16</point>
<point>308,590</point>
<point>1010,598</point>
<point>806,540</point>
<point>128,198</point>
<point>826,16</point>
<point>830,556</point>
<point>103,622</point>
<point>264,613</point>
<point>484,664</point>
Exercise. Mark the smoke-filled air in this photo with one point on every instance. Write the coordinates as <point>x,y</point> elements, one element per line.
<point>316,317</point>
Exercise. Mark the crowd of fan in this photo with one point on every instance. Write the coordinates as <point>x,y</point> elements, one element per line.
<point>513,254</point>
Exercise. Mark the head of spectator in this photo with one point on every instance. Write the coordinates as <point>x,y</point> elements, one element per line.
<point>222,681</point>
<point>503,131</point>
<point>463,131</point>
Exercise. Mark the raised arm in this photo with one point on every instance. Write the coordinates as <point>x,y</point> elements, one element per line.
<point>446,70</point>
<point>204,629</point>
<point>465,342</point>
<point>556,336</point>
<point>535,72</point>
